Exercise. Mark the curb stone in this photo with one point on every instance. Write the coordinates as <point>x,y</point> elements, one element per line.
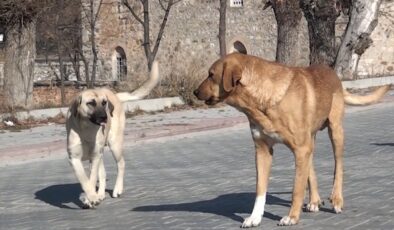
<point>148,105</point>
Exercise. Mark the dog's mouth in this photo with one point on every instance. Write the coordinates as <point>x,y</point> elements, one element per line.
<point>100,121</point>
<point>212,101</point>
<point>103,122</point>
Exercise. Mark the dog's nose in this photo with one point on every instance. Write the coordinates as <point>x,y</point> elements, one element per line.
<point>196,92</point>
<point>101,116</point>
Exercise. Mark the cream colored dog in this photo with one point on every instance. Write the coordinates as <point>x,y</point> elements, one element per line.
<point>286,105</point>
<point>96,118</point>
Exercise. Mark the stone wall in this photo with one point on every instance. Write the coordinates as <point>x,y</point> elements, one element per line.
<point>1,74</point>
<point>191,35</point>
<point>190,39</point>
<point>1,67</point>
<point>378,59</point>
<point>115,31</point>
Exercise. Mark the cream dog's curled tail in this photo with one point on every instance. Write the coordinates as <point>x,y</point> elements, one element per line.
<point>376,95</point>
<point>145,89</point>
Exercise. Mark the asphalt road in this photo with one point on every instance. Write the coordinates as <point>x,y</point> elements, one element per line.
<point>206,180</point>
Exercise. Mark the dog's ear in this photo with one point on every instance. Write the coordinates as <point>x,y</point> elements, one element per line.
<point>231,76</point>
<point>75,104</point>
<point>111,108</point>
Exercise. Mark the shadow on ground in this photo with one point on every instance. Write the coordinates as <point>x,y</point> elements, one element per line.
<point>225,205</point>
<point>60,195</point>
<point>383,144</point>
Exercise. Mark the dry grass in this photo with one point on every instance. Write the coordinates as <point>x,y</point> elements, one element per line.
<point>182,81</point>
<point>30,122</point>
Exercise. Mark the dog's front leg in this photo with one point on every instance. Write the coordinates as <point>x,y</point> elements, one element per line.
<point>102,180</point>
<point>302,165</point>
<point>263,167</point>
<point>91,198</point>
<point>94,167</point>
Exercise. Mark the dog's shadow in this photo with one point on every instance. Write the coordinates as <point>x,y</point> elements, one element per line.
<point>225,205</point>
<point>383,144</point>
<point>61,195</point>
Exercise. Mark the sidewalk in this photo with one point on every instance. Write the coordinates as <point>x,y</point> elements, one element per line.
<point>49,141</point>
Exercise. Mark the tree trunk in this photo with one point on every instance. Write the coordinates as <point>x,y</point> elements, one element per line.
<point>160,34</point>
<point>60,52</point>
<point>62,74</point>
<point>145,22</point>
<point>222,27</point>
<point>321,17</point>
<point>288,17</point>
<point>20,55</point>
<point>363,20</point>
<point>146,25</point>
<point>93,41</point>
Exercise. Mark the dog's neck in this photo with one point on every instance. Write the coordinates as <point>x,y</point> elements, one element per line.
<point>241,99</point>
<point>84,123</point>
<point>267,87</point>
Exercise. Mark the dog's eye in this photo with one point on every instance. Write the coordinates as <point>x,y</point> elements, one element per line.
<point>210,77</point>
<point>92,103</point>
<point>103,103</point>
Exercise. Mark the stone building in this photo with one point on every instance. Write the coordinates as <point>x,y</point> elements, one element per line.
<point>190,39</point>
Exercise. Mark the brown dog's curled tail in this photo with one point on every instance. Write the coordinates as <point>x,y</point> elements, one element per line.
<point>373,97</point>
<point>145,89</point>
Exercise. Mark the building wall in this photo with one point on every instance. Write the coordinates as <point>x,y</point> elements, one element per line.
<point>1,67</point>
<point>378,59</point>
<point>191,37</point>
<point>115,29</point>
<point>1,74</point>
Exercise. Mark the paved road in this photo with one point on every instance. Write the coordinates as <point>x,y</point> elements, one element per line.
<point>204,180</point>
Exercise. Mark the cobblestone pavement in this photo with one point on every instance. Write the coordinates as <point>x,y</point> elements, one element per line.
<point>202,180</point>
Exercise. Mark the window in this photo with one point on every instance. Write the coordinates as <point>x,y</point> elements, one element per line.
<point>2,35</point>
<point>121,64</point>
<point>236,3</point>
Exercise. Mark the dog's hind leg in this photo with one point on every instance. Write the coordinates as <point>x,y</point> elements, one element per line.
<point>263,166</point>
<point>335,131</point>
<point>314,198</point>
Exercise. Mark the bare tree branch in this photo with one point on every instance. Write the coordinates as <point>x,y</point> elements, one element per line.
<point>126,3</point>
<point>98,11</point>
<point>162,26</point>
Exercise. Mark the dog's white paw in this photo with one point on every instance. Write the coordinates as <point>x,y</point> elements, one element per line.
<point>90,201</point>
<point>337,209</point>
<point>337,203</point>
<point>287,221</point>
<point>118,190</point>
<point>101,195</point>
<point>251,221</point>
<point>311,207</point>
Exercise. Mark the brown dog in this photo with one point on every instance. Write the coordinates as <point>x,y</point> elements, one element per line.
<point>285,105</point>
